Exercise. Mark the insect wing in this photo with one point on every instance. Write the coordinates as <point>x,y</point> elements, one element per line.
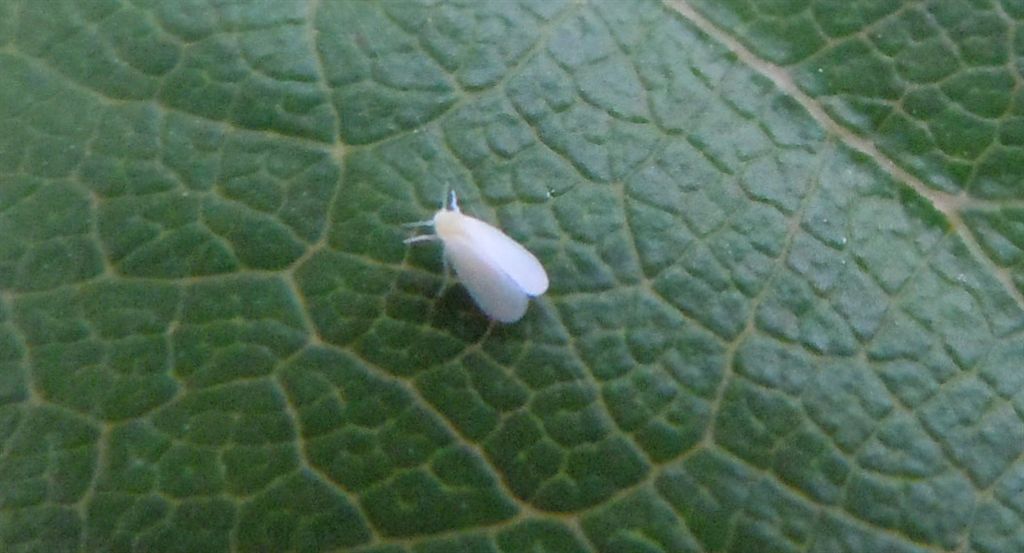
<point>494,291</point>
<point>510,256</point>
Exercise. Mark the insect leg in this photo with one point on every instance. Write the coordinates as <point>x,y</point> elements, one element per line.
<point>447,269</point>
<point>420,238</point>
<point>427,223</point>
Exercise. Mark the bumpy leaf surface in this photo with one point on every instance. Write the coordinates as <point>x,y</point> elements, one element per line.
<point>785,240</point>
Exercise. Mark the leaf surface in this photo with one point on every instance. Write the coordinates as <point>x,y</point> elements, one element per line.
<point>784,240</point>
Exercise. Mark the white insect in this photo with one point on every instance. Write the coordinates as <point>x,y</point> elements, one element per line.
<point>500,274</point>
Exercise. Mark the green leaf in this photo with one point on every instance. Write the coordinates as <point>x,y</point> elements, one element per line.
<point>785,241</point>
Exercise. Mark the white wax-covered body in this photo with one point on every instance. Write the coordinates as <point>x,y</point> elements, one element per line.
<point>499,273</point>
